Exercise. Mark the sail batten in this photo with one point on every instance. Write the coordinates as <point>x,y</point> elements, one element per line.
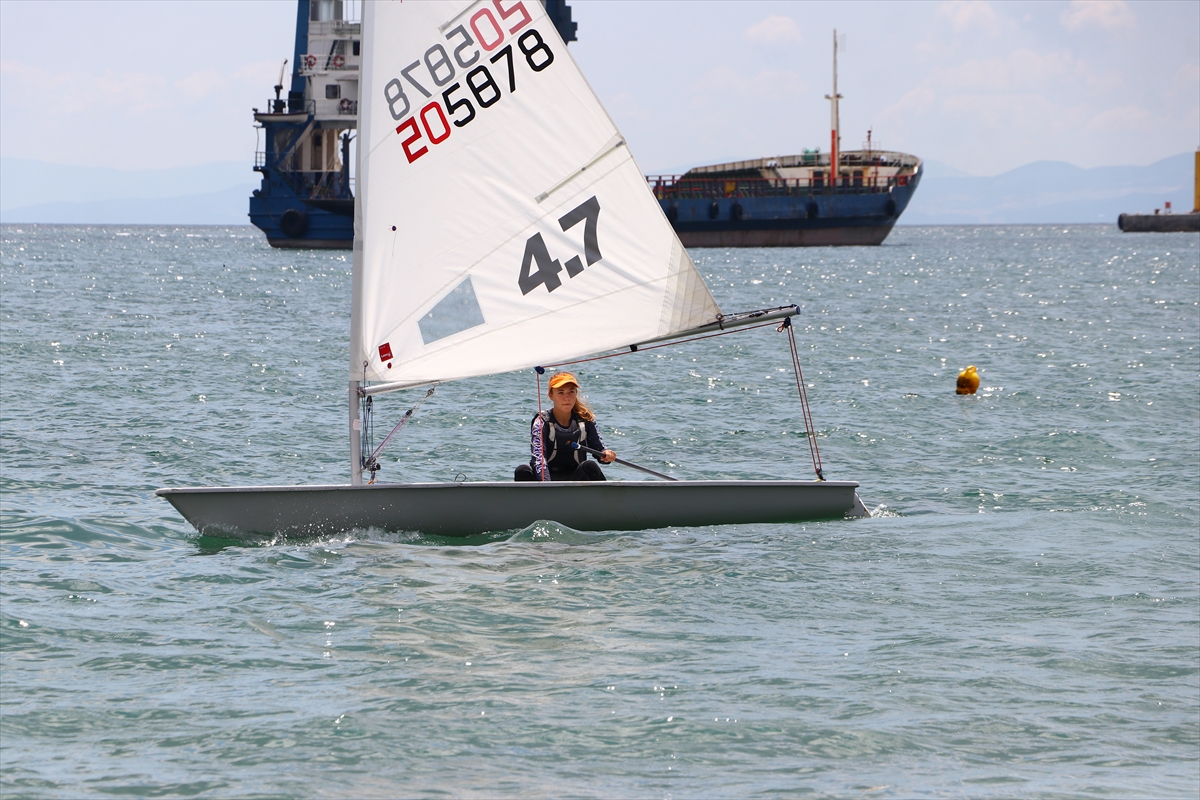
<point>503,221</point>
<point>607,151</point>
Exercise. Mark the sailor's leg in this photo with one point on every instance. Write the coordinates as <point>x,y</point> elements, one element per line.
<point>588,471</point>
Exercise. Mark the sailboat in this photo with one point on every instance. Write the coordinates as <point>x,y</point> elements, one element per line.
<point>502,225</point>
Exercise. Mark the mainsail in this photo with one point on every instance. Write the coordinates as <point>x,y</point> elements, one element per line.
<point>501,221</point>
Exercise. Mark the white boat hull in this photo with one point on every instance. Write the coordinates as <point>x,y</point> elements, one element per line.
<point>464,509</point>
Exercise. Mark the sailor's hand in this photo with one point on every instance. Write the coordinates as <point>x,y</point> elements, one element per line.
<point>608,457</point>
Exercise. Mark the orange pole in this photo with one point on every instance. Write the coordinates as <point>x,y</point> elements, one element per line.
<point>1196,174</point>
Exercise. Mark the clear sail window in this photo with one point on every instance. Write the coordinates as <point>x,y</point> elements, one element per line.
<point>454,313</point>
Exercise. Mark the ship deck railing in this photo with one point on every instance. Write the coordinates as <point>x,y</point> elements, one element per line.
<point>282,108</point>
<point>683,187</point>
<point>337,27</point>
<point>323,63</point>
<point>847,159</point>
<point>322,184</point>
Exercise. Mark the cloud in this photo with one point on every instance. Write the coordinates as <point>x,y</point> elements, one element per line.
<point>1015,113</point>
<point>624,107</point>
<point>972,15</point>
<point>30,85</point>
<point>1020,70</point>
<point>1126,118</point>
<point>725,81</point>
<point>115,118</point>
<point>1031,101</point>
<point>773,30</point>
<point>264,72</point>
<point>1108,14</point>
<point>906,114</point>
<point>201,84</point>
<point>1188,75</point>
<point>916,101</point>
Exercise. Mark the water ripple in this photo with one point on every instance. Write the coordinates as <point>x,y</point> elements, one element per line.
<point>1018,621</point>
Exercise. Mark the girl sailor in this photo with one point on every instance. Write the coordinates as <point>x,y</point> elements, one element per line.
<point>552,433</point>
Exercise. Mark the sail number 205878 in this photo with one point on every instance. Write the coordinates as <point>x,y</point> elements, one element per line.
<point>433,120</point>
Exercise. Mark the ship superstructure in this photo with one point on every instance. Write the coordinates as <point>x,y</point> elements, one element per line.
<point>306,198</point>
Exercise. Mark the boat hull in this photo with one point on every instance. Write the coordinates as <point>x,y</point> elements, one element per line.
<point>1159,223</point>
<point>790,234</point>
<point>321,227</point>
<point>793,217</point>
<point>464,509</point>
<point>311,244</point>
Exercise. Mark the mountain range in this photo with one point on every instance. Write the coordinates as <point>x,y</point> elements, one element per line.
<point>1044,192</point>
<point>206,194</point>
<point>1049,192</point>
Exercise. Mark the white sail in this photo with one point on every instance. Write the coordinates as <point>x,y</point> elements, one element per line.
<point>500,221</point>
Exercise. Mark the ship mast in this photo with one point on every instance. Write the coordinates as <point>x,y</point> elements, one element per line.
<point>834,135</point>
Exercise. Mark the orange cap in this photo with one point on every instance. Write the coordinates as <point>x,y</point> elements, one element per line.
<point>562,379</point>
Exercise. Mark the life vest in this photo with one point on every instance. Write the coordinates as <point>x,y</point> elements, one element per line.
<point>556,443</point>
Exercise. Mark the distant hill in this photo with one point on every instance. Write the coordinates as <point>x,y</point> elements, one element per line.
<point>227,207</point>
<point>1048,192</point>
<point>206,194</point>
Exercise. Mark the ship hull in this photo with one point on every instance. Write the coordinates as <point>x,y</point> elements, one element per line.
<point>788,234</point>
<point>311,244</point>
<point>466,509</point>
<point>784,216</point>
<point>1159,223</point>
<point>318,227</point>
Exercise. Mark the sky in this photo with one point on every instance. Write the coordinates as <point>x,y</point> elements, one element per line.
<point>981,87</point>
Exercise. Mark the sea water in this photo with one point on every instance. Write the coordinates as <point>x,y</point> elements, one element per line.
<point>1021,618</point>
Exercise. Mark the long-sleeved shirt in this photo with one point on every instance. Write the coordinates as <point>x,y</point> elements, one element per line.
<point>564,459</point>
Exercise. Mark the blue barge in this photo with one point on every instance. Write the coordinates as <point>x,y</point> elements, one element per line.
<point>806,200</point>
<point>790,201</point>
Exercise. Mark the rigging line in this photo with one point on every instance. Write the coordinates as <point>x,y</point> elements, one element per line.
<point>664,344</point>
<point>538,372</point>
<point>407,415</point>
<point>809,425</point>
<point>366,418</point>
<point>365,436</point>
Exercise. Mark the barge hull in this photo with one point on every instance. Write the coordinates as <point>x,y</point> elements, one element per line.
<point>1159,223</point>
<point>863,235</point>
<point>311,244</point>
<point>733,205</point>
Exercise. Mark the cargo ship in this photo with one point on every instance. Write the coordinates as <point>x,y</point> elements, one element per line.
<point>306,198</point>
<point>811,199</point>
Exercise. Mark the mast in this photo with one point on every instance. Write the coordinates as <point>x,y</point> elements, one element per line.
<point>355,335</point>
<point>357,358</point>
<point>834,137</point>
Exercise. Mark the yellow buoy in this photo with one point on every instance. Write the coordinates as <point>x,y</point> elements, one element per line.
<point>968,381</point>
